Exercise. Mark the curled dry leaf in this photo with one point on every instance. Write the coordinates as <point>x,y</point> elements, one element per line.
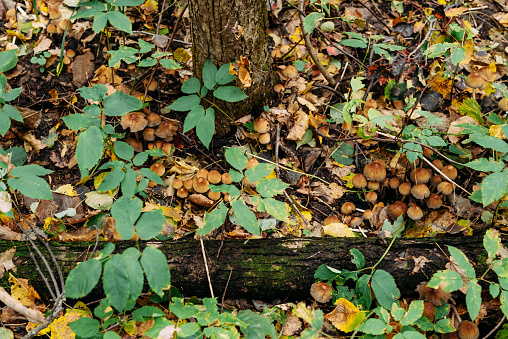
<point>454,129</point>
<point>200,200</point>
<point>244,72</point>
<point>300,126</point>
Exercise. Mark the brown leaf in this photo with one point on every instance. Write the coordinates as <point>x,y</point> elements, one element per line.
<point>82,68</point>
<point>200,200</point>
<point>300,126</point>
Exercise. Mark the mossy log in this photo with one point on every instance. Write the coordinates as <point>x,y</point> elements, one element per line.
<point>266,269</point>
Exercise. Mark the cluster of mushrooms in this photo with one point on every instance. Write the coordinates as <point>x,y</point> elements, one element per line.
<point>151,126</point>
<point>424,188</point>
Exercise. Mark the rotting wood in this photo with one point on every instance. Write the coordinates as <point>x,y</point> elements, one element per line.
<point>270,268</point>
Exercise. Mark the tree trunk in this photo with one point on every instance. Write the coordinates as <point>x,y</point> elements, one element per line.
<point>266,269</point>
<point>224,30</point>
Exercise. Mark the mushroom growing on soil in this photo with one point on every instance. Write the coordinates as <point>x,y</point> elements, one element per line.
<point>396,209</point>
<point>200,185</point>
<point>347,208</point>
<point>214,177</point>
<point>434,201</point>
<point>321,292</point>
<point>420,191</point>
<point>420,175</point>
<point>414,212</point>
<point>375,171</point>
<point>261,125</point>
<point>445,188</point>
<point>226,179</point>
<point>468,330</point>
<point>359,181</point>
<point>450,171</point>
<point>135,121</point>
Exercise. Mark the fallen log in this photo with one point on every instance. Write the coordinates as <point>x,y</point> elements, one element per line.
<point>268,268</point>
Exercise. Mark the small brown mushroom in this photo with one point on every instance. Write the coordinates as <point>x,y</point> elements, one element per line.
<point>136,144</point>
<point>468,330</point>
<point>371,197</point>
<point>200,185</point>
<point>264,138</point>
<point>375,171</point>
<point>420,175</point>
<point>434,201</point>
<point>149,134</point>
<point>182,193</point>
<point>154,119</point>
<point>321,292</point>
<point>359,181</point>
<point>396,209</point>
<point>414,212</point>
<point>347,208</point>
<point>226,179</point>
<point>135,121</point>
<point>158,169</point>
<point>177,184</point>
<point>214,177</point>
<point>450,171</point>
<point>420,191</point>
<point>261,125</point>
<point>445,188</point>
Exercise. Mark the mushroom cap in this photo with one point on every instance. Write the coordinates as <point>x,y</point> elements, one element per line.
<point>371,103</point>
<point>264,138</point>
<point>70,53</point>
<point>332,219</point>
<point>51,29</point>
<point>367,214</point>
<point>405,188</point>
<point>436,296</point>
<point>450,171</point>
<point>149,134</point>
<point>475,80</point>
<point>182,192</point>
<point>438,163</point>
<point>167,148</point>
<point>396,209</point>
<point>359,181</point>
<point>429,311</point>
<point>226,179</point>
<point>261,125</point>
<point>63,24</point>
<point>371,197</point>
<point>279,88</point>
<point>188,184</point>
<point>321,292</point>
<point>355,222</point>
<point>394,183</point>
<point>213,195</point>
<point>420,175</point>
<point>136,144</point>
<point>136,121</point>
<point>427,152</point>
<point>468,330</point>
<point>214,177</point>
<point>166,130</point>
<point>420,191</point>
<point>375,171</point>
<point>177,184</point>
<point>445,188</point>
<point>202,173</point>
<point>251,162</point>
<point>503,104</point>
<point>414,212</point>
<point>348,208</point>
<point>290,72</point>
<point>153,119</point>
<point>436,180</point>
<point>434,201</point>
<point>200,185</point>
<point>373,185</point>
<point>158,169</point>
<point>54,12</point>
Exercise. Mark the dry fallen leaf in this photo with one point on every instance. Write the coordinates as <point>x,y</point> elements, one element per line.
<point>339,230</point>
<point>301,123</point>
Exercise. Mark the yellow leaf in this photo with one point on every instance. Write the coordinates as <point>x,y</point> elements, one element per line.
<point>67,189</point>
<point>469,47</point>
<point>244,71</point>
<point>23,291</point>
<point>489,89</point>
<point>346,317</point>
<point>442,2</point>
<point>349,180</point>
<point>152,5</point>
<point>455,11</point>
<point>339,230</point>
<point>182,55</point>
<point>60,327</point>
<point>495,131</point>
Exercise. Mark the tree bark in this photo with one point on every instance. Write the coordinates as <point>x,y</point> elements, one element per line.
<point>266,269</point>
<point>224,30</point>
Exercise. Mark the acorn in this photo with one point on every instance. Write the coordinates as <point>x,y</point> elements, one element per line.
<point>261,125</point>
<point>375,171</point>
<point>468,330</point>
<point>434,201</point>
<point>414,212</point>
<point>200,185</point>
<point>420,191</point>
<point>450,171</point>
<point>226,179</point>
<point>396,209</point>
<point>371,197</point>
<point>445,188</point>
<point>214,177</point>
<point>347,208</point>
<point>359,181</point>
<point>321,292</point>
<point>182,193</point>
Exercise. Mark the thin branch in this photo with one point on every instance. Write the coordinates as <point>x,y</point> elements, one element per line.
<point>206,267</point>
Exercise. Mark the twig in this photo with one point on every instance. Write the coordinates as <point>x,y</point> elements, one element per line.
<point>32,315</point>
<point>206,267</point>
<point>177,23</point>
<point>495,328</point>
<point>443,175</point>
<point>310,49</point>
<point>225,289</point>
<point>277,145</point>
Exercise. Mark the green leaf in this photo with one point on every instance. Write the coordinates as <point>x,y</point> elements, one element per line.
<point>83,278</point>
<point>147,312</point>
<point>486,165</point>
<point>8,60</point>
<point>12,94</point>
<point>148,173</point>
<point>437,50</point>
<point>190,330</point>
<point>170,64</point>
<point>144,46</point>
<point>85,327</point>
<point>196,114</point>
<point>116,282</point>
<point>123,150</point>
<point>432,120</point>
<point>182,311</point>
<point>205,128</point>
<point>214,219</point>
<point>78,121</point>
<point>245,217</point>
<point>494,187</point>
<point>229,94</point>
<point>374,326</point>
<point>452,281</point>
<point>185,103</point>
<point>256,325</point>
<point>191,85</point>
<point>413,151</point>
<point>92,111</point>
<point>414,313</point>
<point>95,93</point>
<point>358,258</point>
<point>444,326</point>
<point>270,187</point>
<point>236,158</point>
<point>231,189</point>
<point>457,55</point>
<point>140,159</point>
<point>12,112</point>
<point>501,268</point>
<point>344,154</point>
<point>111,181</point>
<point>150,224</point>
<point>129,183</point>
<point>126,211</point>
<point>5,122</point>
<point>223,77</point>
<point>209,72</point>
<point>494,290</point>
<point>356,83</point>
<point>99,22</point>
<point>363,291</point>
<point>384,288</point>
<point>259,171</point>
<point>135,274</point>
<point>503,298</point>
<point>276,209</point>
<point>461,259</point>
<point>111,335</point>
<point>89,149</point>
<point>488,141</point>
<point>156,269</point>
<point>309,22</point>
<point>147,62</point>
<point>473,299</point>
<point>120,21</point>
<point>471,108</point>
<point>355,43</point>
<point>29,170</point>
<point>119,103</point>
<point>31,186</point>
<point>491,242</point>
